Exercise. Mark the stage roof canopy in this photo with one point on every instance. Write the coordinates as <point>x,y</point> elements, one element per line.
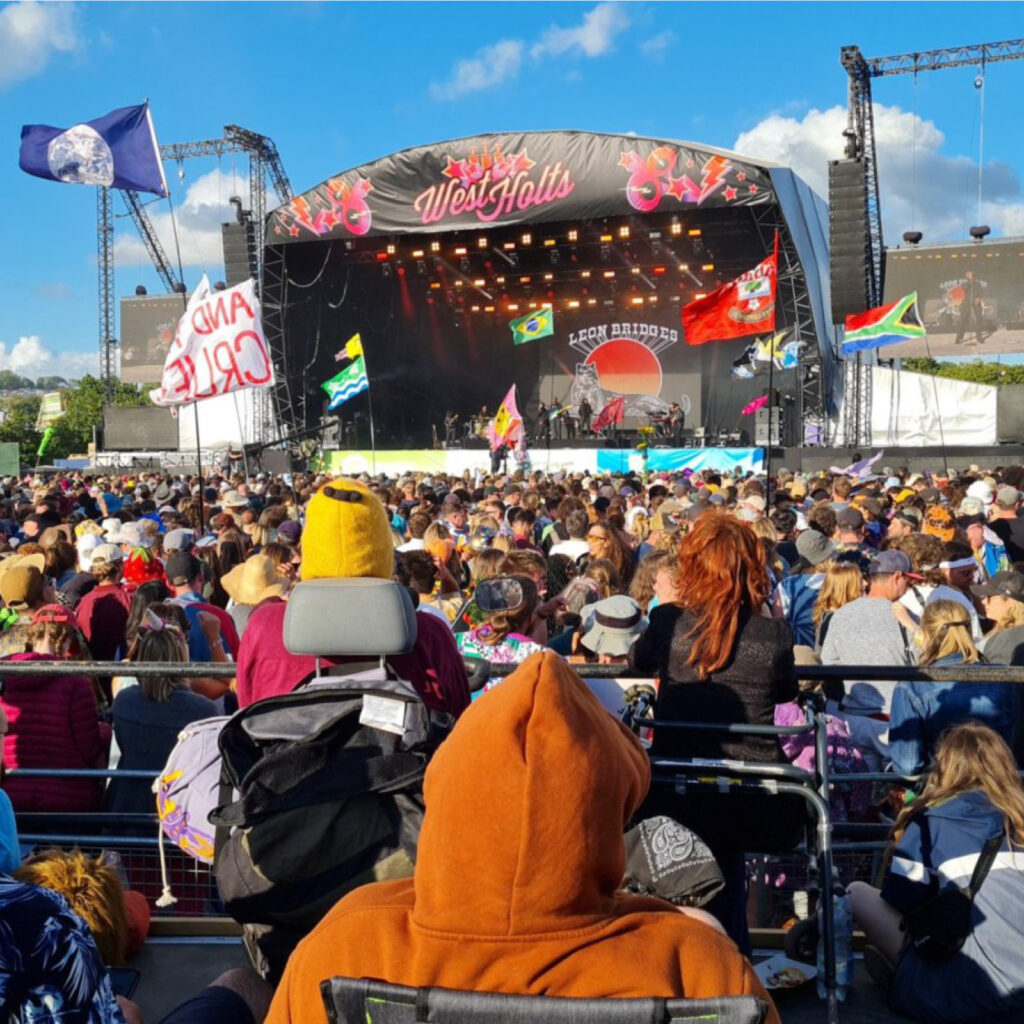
<point>497,180</point>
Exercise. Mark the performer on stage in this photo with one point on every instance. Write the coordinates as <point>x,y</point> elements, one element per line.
<point>570,425</point>
<point>971,308</point>
<point>450,419</point>
<point>544,424</point>
<point>556,418</point>
<point>676,419</point>
<point>586,412</point>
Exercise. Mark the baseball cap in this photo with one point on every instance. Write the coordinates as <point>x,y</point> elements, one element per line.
<point>179,540</point>
<point>849,518</point>
<point>106,553</point>
<point>1003,584</point>
<point>971,510</point>
<point>910,515</point>
<point>885,563</point>
<point>669,516</point>
<point>182,568</point>
<point>1007,496</point>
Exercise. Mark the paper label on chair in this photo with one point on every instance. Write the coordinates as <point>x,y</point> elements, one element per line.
<point>383,713</point>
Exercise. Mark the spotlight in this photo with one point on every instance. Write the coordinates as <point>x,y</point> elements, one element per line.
<point>979,231</point>
<point>481,242</point>
<point>435,246</point>
<point>573,235</point>
<point>140,289</point>
<point>391,250</point>
<point>220,286</point>
<point>676,228</point>
<point>527,239</point>
<point>912,237</point>
<point>624,231</point>
<point>460,250</point>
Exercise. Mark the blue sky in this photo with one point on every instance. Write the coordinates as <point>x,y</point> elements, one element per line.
<point>337,84</point>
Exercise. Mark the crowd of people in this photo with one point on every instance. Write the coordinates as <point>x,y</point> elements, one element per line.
<point>711,586</point>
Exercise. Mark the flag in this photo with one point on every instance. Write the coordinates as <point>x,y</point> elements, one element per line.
<point>784,355</point>
<point>118,150</point>
<point>751,407</point>
<point>613,412</point>
<point>884,325</point>
<point>538,324</point>
<point>507,424</point>
<point>746,368</point>
<point>347,383</point>
<point>218,347</point>
<point>354,347</point>
<point>736,310</point>
<point>857,468</point>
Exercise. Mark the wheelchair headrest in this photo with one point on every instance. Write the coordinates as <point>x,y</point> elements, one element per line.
<point>359,617</point>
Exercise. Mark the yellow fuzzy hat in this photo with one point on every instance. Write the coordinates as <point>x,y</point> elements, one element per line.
<point>347,534</point>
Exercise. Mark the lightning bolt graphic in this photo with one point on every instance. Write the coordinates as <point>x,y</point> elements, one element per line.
<point>713,176</point>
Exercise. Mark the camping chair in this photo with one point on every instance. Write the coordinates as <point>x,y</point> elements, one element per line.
<point>364,1001</point>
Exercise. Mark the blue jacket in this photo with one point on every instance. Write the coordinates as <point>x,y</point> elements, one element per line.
<point>921,711</point>
<point>985,980</point>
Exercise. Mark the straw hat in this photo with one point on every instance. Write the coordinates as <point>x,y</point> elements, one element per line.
<point>254,580</point>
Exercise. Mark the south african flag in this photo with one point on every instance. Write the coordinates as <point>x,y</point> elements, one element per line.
<point>537,324</point>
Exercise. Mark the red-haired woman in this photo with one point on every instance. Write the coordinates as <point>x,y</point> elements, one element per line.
<point>722,659</point>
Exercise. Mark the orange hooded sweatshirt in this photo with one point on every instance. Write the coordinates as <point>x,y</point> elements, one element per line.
<point>517,877</point>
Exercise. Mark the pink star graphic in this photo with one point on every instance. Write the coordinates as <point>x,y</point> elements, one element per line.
<point>455,169</point>
<point>627,160</point>
<point>676,188</point>
<point>752,189</point>
<point>729,194</point>
<point>330,218</point>
<point>277,229</point>
<point>741,176</point>
<point>523,162</point>
<point>690,164</point>
<point>293,231</point>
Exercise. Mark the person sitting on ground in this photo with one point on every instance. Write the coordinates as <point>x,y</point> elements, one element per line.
<point>347,535</point>
<point>921,711</point>
<point>515,912</point>
<point>1003,600</point>
<point>53,722</point>
<point>149,716</point>
<point>972,794</point>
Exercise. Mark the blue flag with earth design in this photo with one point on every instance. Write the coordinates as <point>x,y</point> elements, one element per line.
<point>118,150</point>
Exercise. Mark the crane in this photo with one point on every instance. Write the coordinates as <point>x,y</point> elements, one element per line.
<point>860,146</point>
<point>264,162</point>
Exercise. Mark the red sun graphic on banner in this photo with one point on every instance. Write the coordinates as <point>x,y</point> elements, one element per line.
<point>626,367</point>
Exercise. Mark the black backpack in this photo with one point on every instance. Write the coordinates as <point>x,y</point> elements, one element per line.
<point>321,792</point>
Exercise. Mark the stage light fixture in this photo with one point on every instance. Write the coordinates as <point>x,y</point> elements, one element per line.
<point>476,309</point>
<point>591,302</point>
<point>675,228</point>
<point>634,270</point>
<point>435,285</point>
<point>609,302</point>
<point>700,295</point>
<point>509,246</point>
<point>481,242</point>
<point>381,256</point>
<point>386,269</point>
<point>391,250</point>
<point>549,277</point>
<point>584,273</point>
<point>707,266</point>
<point>401,271</point>
<point>548,242</point>
<point>658,270</point>
<point>550,294</point>
<point>979,231</point>
<point>695,232</point>
<point>624,231</point>
<point>500,280</point>
<point>460,250</point>
<point>533,305</point>
<point>912,237</point>
<point>574,303</point>
<point>638,301</point>
<point>435,246</point>
<point>606,238</point>
<point>479,282</point>
<point>417,254</point>
<point>488,309</point>
<point>609,273</point>
<point>527,239</point>
<point>573,235</point>
<point>458,283</point>
<point>513,306</point>
<point>524,280</point>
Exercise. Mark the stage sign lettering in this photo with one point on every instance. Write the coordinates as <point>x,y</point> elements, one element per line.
<point>517,179</point>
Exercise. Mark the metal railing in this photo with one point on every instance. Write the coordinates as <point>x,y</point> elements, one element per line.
<point>813,787</point>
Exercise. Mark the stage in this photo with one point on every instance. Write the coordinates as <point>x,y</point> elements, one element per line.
<point>456,461</point>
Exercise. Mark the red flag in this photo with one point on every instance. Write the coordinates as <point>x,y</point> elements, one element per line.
<point>613,412</point>
<point>737,309</point>
<point>751,407</point>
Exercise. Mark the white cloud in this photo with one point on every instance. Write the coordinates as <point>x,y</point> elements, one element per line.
<point>501,62</point>
<point>199,214</point>
<point>594,36</point>
<point>30,32</point>
<point>939,197</point>
<point>656,46</point>
<point>29,357</point>
<point>490,67</point>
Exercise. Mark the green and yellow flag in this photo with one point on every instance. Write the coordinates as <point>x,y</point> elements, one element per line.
<point>536,324</point>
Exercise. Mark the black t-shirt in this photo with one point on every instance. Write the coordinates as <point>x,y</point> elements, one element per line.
<point>1011,533</point>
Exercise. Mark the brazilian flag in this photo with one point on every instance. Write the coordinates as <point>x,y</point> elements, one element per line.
<point>537,324</point>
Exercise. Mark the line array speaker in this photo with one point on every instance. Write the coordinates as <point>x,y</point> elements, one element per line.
<point>849,240</point>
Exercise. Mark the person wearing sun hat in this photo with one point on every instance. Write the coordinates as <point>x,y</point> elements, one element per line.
<point>249,584</point>
<point>348,534</point>
<point>23,589</point>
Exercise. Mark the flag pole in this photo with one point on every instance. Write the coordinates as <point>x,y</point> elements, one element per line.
<point>771,378</point>
<point>369,402</point>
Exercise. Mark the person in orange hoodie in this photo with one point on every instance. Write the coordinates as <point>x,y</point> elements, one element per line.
<point>517,881</point>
